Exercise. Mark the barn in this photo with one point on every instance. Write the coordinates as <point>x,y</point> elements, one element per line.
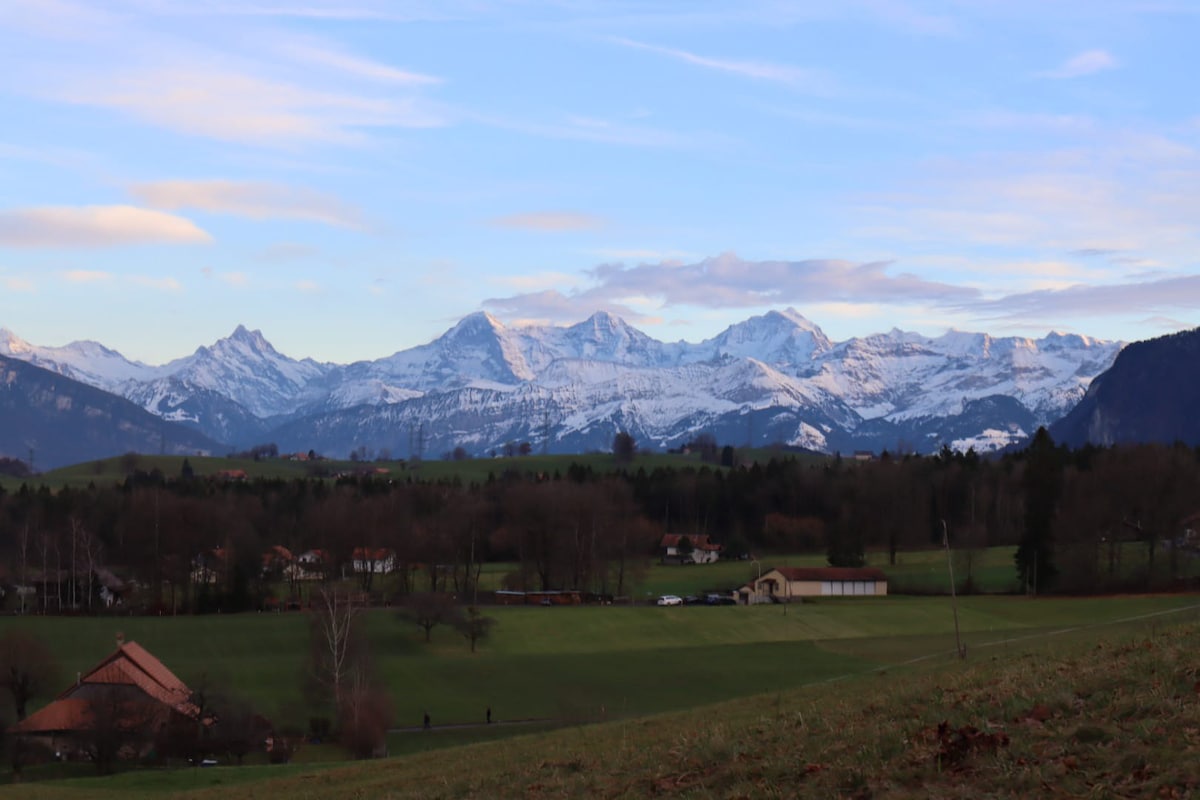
<point>785,583</point>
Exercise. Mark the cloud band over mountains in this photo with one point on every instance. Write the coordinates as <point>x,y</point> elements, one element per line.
<point>729,282</point>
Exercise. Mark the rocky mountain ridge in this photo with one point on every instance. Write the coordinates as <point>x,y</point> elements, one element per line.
<point>772,378</point>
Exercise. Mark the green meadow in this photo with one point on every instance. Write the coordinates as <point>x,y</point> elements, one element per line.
<point>674,694</point>
<point>572,664</point>
<point>109,471</point>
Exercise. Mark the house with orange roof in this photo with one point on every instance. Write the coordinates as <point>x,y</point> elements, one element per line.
<point>679,548</point>
<point>373,560</point>
<point>129,698</point>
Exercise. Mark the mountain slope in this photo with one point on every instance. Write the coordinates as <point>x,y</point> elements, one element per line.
<point>772,378</point>
<point>64,421</point>
<point>1150,394</point>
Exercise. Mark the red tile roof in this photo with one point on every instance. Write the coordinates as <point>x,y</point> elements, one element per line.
<point>129,665</point>
<point>832,573</point>
<point>699,542</point>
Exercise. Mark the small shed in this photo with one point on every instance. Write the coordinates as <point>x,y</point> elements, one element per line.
<point>785,583</point>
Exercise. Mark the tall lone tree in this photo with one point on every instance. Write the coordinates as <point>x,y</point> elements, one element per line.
<point>1042,483</point>
<point>624,447</point>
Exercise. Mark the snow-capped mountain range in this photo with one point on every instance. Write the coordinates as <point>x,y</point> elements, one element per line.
<point>775,378</point>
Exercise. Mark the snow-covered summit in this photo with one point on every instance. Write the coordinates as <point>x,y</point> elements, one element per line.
<point>775,375</point>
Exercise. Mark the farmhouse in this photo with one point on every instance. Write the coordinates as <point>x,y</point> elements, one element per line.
<point>784,583</point>
<point>373,560</point>
<point>127,698</point>
<point>308,566</point>
<point>682,549</point>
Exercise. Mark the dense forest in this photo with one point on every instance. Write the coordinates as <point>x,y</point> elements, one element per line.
<point>1070,515</point>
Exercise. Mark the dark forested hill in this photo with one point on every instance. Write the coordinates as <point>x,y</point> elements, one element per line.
<point>64,422</point>
<point>1151,394</point>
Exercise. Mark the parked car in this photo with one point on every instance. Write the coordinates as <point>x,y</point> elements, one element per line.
<point>692,600</point>
<point>670,600</point>
<point>715,599</point>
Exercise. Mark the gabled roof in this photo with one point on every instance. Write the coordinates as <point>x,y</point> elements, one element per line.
<point>831,573</point>
<point>699,541</point>
<point>371,554</point>
<point>129,665</point>
<point>277,553</point>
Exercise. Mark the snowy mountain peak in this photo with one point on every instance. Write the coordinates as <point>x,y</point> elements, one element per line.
<point>245,339</point>
<point>11,344</point>
<point>774,377</point>
<point>777,337</point>
<point>796,318</point>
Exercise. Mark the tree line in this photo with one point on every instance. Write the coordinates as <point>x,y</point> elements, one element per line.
<point>1072,515</point>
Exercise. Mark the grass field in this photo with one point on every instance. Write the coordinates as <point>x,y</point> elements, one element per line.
<point>1085,704</point>
<point>581,663</point>
<point>109,471</point>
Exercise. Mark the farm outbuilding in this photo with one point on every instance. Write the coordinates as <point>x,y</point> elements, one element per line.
<point>784,583</point>
<point>129,692</point>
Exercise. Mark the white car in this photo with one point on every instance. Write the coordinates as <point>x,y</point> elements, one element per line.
<point>670,600</point>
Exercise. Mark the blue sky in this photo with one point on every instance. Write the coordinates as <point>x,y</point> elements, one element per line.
<point>352,177</point>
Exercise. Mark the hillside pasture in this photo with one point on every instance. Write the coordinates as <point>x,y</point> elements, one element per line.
<point>1067,696</point>
<point>580,663</point>
<point>109,471</point>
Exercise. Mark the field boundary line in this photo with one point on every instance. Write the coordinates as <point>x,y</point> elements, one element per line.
<point>999,642</point>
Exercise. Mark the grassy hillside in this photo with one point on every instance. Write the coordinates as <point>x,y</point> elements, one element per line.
<point>113,470</point>
<point>1111,711</point>
<point>581,663</point>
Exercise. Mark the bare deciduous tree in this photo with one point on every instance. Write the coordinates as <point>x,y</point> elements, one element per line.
<point>334,640</point>
<point>427,610</point>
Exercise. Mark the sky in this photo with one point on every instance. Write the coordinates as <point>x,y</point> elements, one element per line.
<point>351,177</point>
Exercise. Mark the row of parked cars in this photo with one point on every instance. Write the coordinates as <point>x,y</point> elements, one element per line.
<point>710,599</point>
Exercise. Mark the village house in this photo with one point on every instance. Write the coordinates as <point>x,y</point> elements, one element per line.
<point>783,584</point>
<point>276,560</point>
<point>373,560</point>
<point>677,548</point>
<point>308,566</point>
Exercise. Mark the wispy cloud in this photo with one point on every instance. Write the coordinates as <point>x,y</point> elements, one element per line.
<point>242,107</point>
<point>1118,193</point>
<point>15,283</point>
<point>1139,297</point>
<point>161,284</point>
<point>551,306</point>
<point>95,226</point>
<point>256,200</point>
<point>317,53</point>
<point>731,282</point>
<point>798,77</point>
<point>86,276</point>
<point>552,221</point>
<point>255,86</point>
<point>582,128</point>
<point>1086,63</point>
<point>307,286</point>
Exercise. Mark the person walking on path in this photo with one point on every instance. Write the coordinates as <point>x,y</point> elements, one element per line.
<point>426,725</point>
<point>489,715</point>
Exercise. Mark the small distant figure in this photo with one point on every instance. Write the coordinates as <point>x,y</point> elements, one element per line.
<point>426,721</point>
<point>489,715</point>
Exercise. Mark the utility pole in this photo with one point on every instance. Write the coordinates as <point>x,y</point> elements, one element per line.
<point>958,645</point>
